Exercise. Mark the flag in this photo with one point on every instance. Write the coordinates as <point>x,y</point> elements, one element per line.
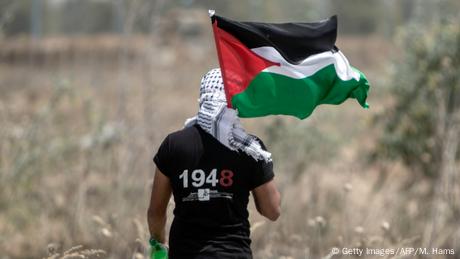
<point>284,68</point>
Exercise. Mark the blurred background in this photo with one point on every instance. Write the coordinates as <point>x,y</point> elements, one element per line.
<point>89,89</point>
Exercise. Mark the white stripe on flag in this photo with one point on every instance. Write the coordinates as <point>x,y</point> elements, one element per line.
<point>308,66</point>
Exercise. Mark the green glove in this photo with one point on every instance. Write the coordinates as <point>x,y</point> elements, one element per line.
<point>157,250</point>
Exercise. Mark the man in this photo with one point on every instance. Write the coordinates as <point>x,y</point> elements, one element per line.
<point>210,167</point>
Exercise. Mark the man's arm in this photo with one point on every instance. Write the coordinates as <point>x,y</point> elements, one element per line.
<point>156,214</point>
<point>268,200</point>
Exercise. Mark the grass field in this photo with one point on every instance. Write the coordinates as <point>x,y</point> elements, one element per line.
<point>79,127</point>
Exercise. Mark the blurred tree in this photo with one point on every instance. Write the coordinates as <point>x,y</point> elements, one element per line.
<point>422,128</point>
<point>424,123</point>
<point>110,16</point>
<point>358,16</point>
<point>36,18</point>
<point>17,16</point>
<point>86,17</point>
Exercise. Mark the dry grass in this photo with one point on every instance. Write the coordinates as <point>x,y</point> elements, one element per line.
<point>77,138</point>
<point>76,252</point>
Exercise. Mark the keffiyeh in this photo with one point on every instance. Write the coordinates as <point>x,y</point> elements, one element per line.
<point>221,122</point>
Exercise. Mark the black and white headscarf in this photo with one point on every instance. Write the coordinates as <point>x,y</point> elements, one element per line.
<point>221,122</point>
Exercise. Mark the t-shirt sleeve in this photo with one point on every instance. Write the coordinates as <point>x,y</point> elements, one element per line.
<point>263,172</point>
<point>162,158</point>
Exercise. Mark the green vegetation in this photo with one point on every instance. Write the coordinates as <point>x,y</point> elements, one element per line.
<point>426,92</point>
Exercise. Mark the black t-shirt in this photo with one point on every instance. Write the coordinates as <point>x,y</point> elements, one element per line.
<point>211,186</point>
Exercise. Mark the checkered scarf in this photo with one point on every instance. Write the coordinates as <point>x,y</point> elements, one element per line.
<point>221,122</point>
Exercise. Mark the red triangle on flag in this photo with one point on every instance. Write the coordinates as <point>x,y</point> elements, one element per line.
<point>238,64</point>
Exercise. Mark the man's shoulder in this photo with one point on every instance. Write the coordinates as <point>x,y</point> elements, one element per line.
<point>186,134</point>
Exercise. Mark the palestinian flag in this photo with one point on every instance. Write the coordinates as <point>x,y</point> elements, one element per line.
<point>284,68</point>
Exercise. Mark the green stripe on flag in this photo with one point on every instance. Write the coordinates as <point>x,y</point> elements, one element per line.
<point>270,93</point>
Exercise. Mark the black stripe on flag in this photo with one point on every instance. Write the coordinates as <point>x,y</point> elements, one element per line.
<point>294,41</point>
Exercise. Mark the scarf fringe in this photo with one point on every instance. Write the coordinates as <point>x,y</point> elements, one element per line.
<point>224,125</point>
